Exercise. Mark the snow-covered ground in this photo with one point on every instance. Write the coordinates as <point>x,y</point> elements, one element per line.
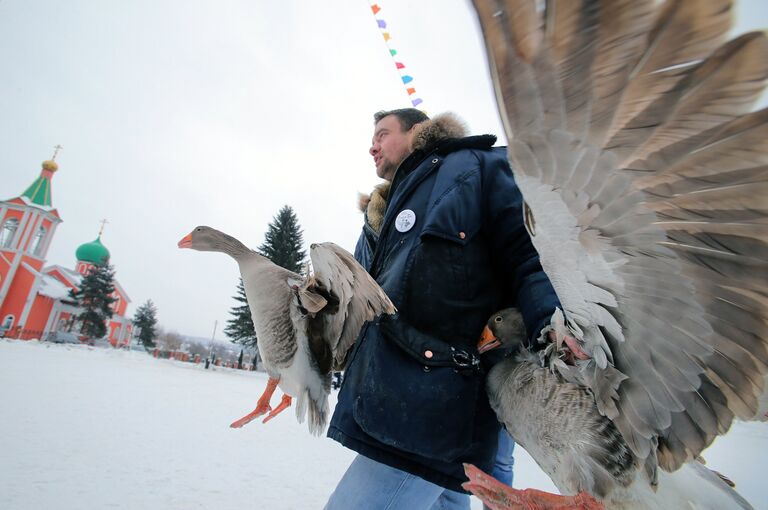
<point>84,428</point>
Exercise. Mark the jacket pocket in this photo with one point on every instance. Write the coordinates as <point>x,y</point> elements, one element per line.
<point>424,410</point>
<point>437,268</point>
<point>446,284</point>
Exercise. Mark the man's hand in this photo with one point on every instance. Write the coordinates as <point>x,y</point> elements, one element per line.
<point>573,350</point>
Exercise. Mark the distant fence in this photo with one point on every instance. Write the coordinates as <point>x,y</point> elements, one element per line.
<point>186,357</point>
<point>24,334</point>
<point>18,333</point>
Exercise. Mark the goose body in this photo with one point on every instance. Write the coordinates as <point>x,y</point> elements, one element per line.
<point>558,424</point>
<point>283,342</point>
<point>305,325</point>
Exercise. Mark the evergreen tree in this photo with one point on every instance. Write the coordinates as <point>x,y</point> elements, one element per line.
<point>240,327</point>
<point>146,319</point>
<point>284,240</point>
<point>95,298</point>
<point>240,360</point>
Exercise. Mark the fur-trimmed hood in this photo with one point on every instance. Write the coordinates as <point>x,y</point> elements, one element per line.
<point>426,135</point>
<point>375,205</point>
<point>443,126</point>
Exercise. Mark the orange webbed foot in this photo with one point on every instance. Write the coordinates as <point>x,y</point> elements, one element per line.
<point>260,410</point>
<point>285,403</point>
<point>498,496</point>
<point>262,406</point>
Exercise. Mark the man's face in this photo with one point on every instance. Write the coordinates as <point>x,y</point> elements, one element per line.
<point>389,147</point>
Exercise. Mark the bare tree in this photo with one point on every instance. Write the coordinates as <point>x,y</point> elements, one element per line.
<point>198,348</point>
<point>170,341</point>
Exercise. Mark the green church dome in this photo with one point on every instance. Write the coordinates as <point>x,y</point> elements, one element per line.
<point>93,252</point>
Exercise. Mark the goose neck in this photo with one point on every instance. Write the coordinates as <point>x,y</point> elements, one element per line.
<point>234,248</point>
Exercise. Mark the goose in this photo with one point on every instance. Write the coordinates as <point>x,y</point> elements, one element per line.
<point>559,424</point>
<point>306,326</point>
<point>644,174</point>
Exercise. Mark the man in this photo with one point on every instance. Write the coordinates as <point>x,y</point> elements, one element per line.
<point>444,238</point>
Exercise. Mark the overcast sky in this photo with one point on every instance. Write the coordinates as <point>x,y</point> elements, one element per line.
<point>174,114</point>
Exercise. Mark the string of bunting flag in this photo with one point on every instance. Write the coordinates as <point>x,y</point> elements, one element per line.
<point>407,78</point>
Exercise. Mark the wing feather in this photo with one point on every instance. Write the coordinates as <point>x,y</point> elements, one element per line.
<point>717,90</point>
<point>624,28</point>
<point>359,296</point>
<point>569,28</point>
<point>683,33</point>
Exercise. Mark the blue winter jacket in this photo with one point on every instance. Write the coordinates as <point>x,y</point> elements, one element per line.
<point>414,396</point>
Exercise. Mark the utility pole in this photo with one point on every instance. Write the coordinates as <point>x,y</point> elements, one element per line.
<point>209,359</point>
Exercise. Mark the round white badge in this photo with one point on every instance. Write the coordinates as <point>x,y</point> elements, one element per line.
<point>405,220</point>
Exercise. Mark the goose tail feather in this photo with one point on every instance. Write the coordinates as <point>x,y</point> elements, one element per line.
<point>700,487</point>
<point>315,409</point>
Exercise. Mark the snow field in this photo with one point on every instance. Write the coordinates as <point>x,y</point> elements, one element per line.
<point>84,427</point>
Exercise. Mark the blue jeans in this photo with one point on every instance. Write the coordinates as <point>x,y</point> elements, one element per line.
<point>374,486</point>
<point>505,460</point>
<point>371,485</point>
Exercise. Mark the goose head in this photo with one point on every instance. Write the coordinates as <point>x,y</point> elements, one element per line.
<point>204,238</point>
<point>505,328</point>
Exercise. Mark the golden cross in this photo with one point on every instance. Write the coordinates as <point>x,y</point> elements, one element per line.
<point>56,151</point>
<point>101,230</point>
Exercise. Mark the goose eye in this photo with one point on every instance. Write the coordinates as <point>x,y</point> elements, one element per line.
<point>498,318</point>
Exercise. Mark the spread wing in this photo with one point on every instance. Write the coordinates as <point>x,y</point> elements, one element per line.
<point>762,404</point>
<point>645,176</point>
<point>352,296</point>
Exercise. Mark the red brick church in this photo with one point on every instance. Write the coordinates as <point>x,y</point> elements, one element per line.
<point>34,297</point>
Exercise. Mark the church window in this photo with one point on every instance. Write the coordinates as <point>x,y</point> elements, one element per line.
<point>8,232</point>
<point>37,242</point>
<point>7,322</point>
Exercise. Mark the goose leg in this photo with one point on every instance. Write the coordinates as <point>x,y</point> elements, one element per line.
<point>498,496</point>
<point>285,403</point>
<point>262,406</point>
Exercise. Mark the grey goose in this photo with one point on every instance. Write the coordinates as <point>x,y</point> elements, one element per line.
<point>586,456</point>
<point>305,326</point>
<point>644,171</point>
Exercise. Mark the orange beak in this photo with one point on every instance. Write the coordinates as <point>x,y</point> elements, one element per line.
<point>487,341</point>
<point>186,242</point>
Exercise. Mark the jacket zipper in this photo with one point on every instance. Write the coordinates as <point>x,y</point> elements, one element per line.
<point>394,206</point>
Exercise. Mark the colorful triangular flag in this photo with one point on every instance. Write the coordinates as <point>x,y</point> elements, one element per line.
<point>415,101</point>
